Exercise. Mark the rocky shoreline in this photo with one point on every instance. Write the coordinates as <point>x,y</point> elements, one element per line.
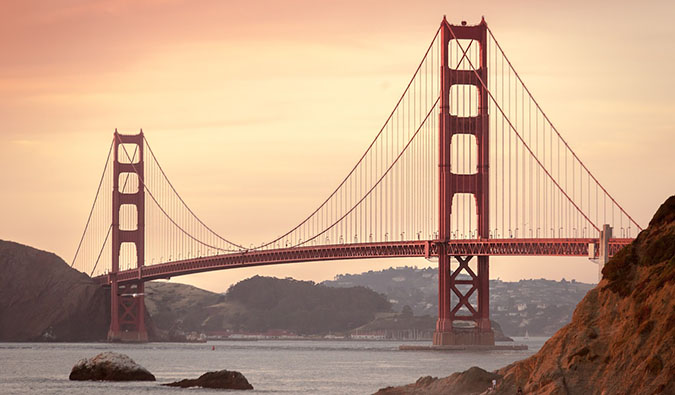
<point>621,339</point>
<point>112,366</point>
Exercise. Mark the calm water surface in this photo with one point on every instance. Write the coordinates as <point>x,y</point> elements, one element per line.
<point>272,367</point>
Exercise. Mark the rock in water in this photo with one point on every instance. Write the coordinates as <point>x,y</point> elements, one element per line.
<point>471,382</point>
<point>110,366</point>
<point>222,379</point>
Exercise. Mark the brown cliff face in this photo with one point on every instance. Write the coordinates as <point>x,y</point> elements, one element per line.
<point>622,336</point>
<point>42,299</point>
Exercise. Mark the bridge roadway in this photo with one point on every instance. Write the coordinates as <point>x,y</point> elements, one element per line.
<point>393,249</point>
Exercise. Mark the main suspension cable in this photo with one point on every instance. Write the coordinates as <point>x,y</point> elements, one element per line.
<point>183,202</point>
<point>556,130</point>
<point>379,180</point>
<point>91,212</point>
<point>364,154</point>
<point>520,137</point>
<point>133,165</point>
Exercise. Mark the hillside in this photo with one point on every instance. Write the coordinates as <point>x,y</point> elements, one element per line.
<point>178,309</point>
<point>621,339</point>
<point>260,304</point>
<point>302,306</point>
<point>43,299</point>
<point>540,307</point>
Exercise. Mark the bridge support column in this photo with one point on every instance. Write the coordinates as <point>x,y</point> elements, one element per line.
<point>463,323</point>
<point>444,323</point>
<point>603,256</point>
<point>127,303</point>
<point>114,331</point>
<point>130,315</point>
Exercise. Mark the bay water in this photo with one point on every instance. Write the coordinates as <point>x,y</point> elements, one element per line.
<point>271,366</point>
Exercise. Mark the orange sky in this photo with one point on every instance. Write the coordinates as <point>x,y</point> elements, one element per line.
<point>237,98</point>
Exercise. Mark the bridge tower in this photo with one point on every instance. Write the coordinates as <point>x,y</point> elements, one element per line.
<point>447,331</point>
<point>127,311</point>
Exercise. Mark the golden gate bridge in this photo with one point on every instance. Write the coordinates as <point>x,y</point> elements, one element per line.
<point>467,165</point>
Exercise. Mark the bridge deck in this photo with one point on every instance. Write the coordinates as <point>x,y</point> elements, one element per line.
<point>398,249</point>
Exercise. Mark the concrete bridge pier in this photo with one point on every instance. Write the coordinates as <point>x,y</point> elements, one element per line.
<point>603,246</point>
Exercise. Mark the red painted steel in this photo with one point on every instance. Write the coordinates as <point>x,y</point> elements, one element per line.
<point>452,183</point>
<point>444,187</point>
<point>455,294</point>
<point>127,286</point>
<point>428,249</point>
<point>127,306</point>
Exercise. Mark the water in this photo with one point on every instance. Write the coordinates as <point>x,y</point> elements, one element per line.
<point>272,367</point>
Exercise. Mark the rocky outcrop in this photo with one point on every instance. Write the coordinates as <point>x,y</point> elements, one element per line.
<point>42,299</point>
<point>473,381</point>
<point>110,366</point>
<point>223,379</point>
<point>622,336</point>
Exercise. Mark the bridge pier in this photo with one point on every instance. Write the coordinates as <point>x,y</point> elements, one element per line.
<point>603,256</point>
<point>127,304</point>
<point>462,323</point>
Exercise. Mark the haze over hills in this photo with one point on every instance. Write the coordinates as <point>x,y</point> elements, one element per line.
<point>536,307</point>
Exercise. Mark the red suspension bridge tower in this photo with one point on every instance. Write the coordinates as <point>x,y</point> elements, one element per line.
<point>127,303</point>
<point>451,183</point>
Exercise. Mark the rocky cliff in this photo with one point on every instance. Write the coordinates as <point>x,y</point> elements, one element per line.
<point>621,339</point>
<point>42,299</point>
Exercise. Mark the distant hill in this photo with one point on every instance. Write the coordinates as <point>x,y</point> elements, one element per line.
<point>539,307</point>
<point>176,309</point>
<point>403,286</point>
<point>302,306</point>
<point>43,299</point>
<point>260,304</point>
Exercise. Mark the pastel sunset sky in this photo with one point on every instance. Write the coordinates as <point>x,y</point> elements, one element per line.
<point>257,109</point>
